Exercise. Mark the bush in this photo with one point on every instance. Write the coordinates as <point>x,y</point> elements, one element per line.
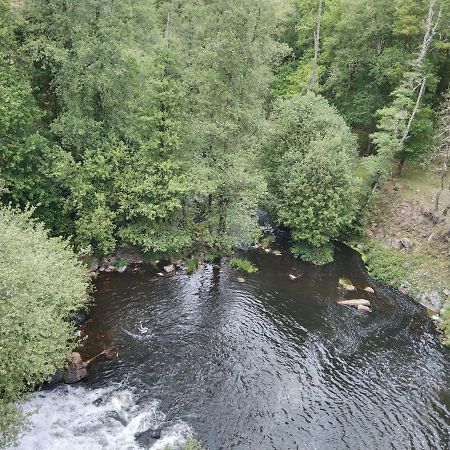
<point>316,255</point>
<point>389,266</point>
<point>243,264</point>
<point>192,265</point>
<point>41,285</point>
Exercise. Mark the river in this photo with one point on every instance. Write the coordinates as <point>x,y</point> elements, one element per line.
<point>266,364</point>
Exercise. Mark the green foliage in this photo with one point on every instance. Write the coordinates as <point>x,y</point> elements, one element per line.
<point>267,240</point>
<point>311,157</point>
<point>192,265</point>
<point>228,49</point>
<point>121,262</point>
<point>41,285</point>
<point>388,265</point>
<point>316,255</point>
<point>445,315</point>
<point>243,264</point>
<point>25,153</point>
<point>193,444</point>
<point>365,49</point>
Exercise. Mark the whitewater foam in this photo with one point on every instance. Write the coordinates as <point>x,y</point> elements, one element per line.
<point>74,418</point>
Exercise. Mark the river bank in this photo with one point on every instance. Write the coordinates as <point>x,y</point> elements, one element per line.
<point>406,247</point>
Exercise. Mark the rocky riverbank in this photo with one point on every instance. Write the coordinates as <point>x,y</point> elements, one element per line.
<point>407,246</point>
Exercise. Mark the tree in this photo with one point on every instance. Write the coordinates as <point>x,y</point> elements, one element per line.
<point>116,114</point>
<point>311,156</point>
<point>228,50</point>
<point>441,153</point>
<point>41,285</point>
<point>25,153</point>
<point>396,121</point>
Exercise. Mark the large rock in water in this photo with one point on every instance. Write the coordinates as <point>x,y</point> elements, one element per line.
<point>76,370</point>
<point>169,269</point>
<point>355,302</point>
<point>146,437</point>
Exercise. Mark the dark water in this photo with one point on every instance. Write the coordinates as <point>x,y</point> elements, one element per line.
<point>267,364</point>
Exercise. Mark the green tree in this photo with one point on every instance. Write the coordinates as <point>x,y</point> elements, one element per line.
<point>41,285</point>
<point>229,50</point>
<point>116,113</point>
<point>25,153</point>
<point>311,156</point>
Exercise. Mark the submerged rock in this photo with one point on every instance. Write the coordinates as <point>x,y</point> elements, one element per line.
<point>241,280</point>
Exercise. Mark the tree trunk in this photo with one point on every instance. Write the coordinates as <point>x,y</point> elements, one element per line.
<point>401,163</point>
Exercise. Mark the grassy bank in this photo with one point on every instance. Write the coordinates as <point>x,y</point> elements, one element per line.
<point>403,246</point>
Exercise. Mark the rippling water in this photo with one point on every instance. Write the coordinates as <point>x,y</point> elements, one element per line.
<point>267,364</point>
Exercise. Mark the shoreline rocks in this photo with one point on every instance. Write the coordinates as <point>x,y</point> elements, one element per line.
<point>76,370</point>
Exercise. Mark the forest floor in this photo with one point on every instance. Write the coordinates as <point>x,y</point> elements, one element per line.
<point>405,248</point>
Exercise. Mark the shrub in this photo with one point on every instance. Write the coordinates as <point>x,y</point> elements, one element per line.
<point>193,444</point>
<point>41,285</point>
<point>192,265</point>
<point>388,265</point>
<point>316,255</point>
<point>243,264</point>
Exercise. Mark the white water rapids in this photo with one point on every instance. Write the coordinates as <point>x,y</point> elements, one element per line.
<point>77,418</point>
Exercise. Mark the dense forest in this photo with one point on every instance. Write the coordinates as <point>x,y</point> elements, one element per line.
<point>169,124</point>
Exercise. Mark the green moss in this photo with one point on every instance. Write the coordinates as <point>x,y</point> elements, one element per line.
<point>243,264</point>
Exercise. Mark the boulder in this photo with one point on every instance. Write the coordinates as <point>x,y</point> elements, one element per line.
<point>364,308</point>
<point>348,287</point>
<point>277,253</point>
<point>369,290</point>
<point>292,277</point>
<point>169,269</point>
<point>393,243</point>
<point>354,302</point>
<point>241,280</point>
<point>54,379</point>
<point>76,370</point>
<point>146,437</point>
<point>346,284</point>
<point>160,274</point>
<point>406,243</point>
<point>267,250</point>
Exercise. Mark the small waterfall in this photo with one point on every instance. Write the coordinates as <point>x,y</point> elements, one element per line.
<point>74,418</point>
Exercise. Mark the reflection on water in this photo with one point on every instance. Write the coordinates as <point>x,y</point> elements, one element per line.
<point>268,364</point>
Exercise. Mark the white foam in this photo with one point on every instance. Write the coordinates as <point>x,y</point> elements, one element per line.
<point>68,419</point>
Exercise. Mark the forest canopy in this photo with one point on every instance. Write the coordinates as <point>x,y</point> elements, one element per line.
<point>153,123</point>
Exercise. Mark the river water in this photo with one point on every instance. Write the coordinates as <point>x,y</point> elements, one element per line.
<point>266,364</point>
